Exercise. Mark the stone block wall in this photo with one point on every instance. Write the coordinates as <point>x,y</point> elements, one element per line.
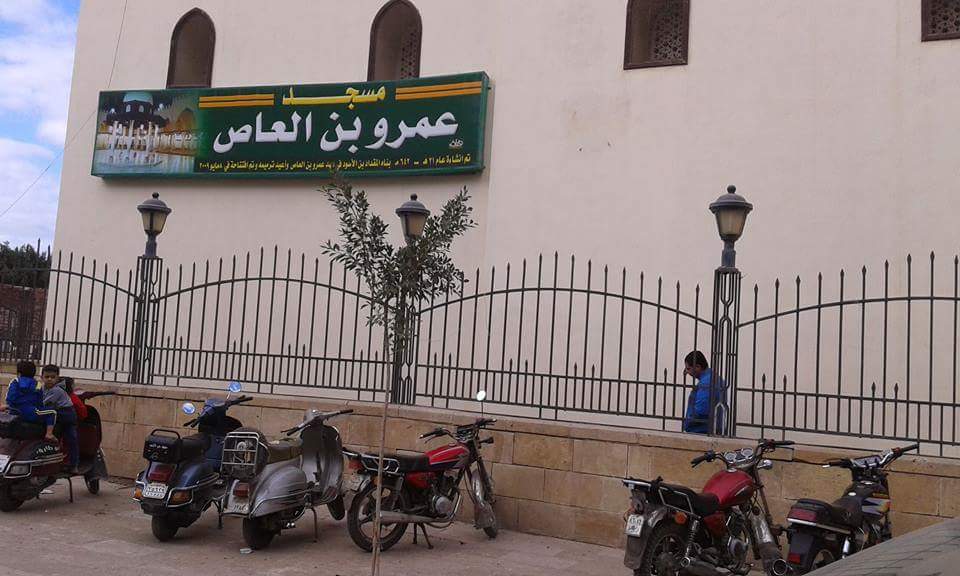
<point>554,479</point>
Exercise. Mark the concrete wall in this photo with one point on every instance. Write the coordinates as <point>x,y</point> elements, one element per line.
<point>554,479</point>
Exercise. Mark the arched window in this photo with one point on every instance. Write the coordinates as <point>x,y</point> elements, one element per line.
<point>657,33</point>
<point>941,19</point>
<point>191,51</point>
<point>395,42</point>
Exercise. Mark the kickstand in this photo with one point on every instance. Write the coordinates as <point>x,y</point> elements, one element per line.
<point>219,505</point>
<point>70,485</point>
<point>316,527</point>
<point>425,537</point>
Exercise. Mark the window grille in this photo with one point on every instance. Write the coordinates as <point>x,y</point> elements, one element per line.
<point>657,33</point>
<point>941,19</point>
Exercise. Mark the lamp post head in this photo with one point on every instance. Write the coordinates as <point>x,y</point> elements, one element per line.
<point>731,210</point>
<point>413,215</point>
<point>154,212</point>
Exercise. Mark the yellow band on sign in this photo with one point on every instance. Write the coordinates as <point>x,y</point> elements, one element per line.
<point>439,87</point>
<point>445,94</point>
<point>237,101</point>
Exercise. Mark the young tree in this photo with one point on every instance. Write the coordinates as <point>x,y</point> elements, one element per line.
<point>398,279</point>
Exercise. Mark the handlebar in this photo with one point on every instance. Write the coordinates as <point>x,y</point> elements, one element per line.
<point>707,456</point>
<point>321,417</point>
<point>899,451</point>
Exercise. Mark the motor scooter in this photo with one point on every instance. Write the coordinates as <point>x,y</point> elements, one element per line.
<point>821,532</point>
<point>672,529</point>
<point>422,489</point>
<point>272,483</point>
<point>29,463</point>
<point>182,477</point>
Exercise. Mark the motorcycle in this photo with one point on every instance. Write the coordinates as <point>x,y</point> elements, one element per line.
<point>182,477</point>
<point>673,530</point>
<point>272,484</point>
<point>422,490</point>
<point>821,533</point>
<point>29,463</point>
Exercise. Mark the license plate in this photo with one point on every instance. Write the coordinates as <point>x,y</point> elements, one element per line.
<point>155,490</point>
<point>634,525</point>
<point>352,482</point>
<point>237,506</point>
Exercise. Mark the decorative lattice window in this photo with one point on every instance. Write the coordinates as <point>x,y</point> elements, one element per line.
<point>395,40</point>
<point>941,19</point>
<point>657,33</point>
<point>191,51</point>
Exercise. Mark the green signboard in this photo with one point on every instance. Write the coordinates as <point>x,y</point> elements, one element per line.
<point>419,126</point>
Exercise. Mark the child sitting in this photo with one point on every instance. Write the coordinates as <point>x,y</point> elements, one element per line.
<point>56,397</point>
<point>25,397</point>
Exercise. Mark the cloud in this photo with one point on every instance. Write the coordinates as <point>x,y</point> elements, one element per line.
<point>37,39</point>
<point>36,64</point>
<point>35,215</point>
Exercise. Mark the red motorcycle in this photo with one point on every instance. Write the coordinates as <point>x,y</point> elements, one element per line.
<point>423,490</point>
<point>674,530</point>
<point>29,463</point>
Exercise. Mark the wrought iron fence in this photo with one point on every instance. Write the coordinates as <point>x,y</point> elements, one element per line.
<point>552,338</point>
<point>878,360</point>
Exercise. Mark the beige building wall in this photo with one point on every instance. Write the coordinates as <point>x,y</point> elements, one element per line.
<point>830,115</point>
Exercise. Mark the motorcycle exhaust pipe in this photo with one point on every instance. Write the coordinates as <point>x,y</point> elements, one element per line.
<point>779,567</point>
<point>700,568</point>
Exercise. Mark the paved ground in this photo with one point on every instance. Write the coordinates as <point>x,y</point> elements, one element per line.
<point>107,535</point>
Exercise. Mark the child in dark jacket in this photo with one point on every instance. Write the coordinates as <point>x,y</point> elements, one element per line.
<point>56,397</point>
<point>25,397</point>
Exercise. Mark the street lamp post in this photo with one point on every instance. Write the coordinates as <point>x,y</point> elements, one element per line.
<point>153,212</point>
<point>413,217</point>
<point>731,211</point>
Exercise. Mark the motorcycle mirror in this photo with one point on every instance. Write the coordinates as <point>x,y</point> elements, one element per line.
<point>189,409</point>
<point>765,465</point>
<point>481,395</point>
<point>235,387</point>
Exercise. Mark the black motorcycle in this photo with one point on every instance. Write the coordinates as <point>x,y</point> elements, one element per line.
<point>821,533</point>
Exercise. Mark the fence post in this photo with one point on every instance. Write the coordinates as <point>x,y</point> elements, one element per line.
<point>144,320</point>
<point>724,347</point>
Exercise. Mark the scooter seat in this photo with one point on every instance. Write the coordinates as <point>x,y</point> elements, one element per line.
<point>192,447</point>
<point>683,498</point>
<point>281,450</point>
<point>845,511</point>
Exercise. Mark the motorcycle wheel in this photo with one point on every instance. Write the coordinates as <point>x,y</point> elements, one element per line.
<point>361,513</point>
<point>256,534</point>
<point>163,528</point>
<point>93,486</point>
<point>490,531</point>
<point>665,546</point>
<point>820,555</point>
<point>7,502</point>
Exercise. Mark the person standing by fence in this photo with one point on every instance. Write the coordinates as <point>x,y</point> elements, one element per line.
<point>697,418</point>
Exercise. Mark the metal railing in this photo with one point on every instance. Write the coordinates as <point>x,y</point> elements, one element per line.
<point>552,338</point>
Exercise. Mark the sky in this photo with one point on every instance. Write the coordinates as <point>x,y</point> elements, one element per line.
<point>37,39</point>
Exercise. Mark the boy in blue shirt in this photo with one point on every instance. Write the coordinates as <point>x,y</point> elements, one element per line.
<point>25,397</point>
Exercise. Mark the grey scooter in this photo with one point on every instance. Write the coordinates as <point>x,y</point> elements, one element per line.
<point>272,484</point>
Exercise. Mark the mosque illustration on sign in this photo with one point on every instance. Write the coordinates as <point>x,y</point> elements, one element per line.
<point>143,132</point>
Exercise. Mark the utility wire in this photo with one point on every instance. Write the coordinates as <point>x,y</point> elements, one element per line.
<point>83,125</point>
